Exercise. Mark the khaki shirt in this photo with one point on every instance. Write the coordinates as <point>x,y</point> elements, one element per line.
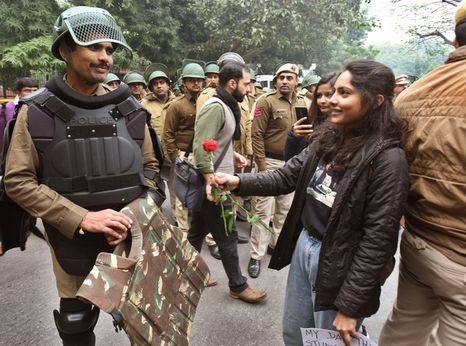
<point>307,96</point>
<point>23,187</point>
<point>273,117</point>
<point>205,94</point>
<point>155,107</point>
<point>178,131</point>
<point>243,146</point>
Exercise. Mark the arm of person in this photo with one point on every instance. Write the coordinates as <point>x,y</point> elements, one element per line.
<point>385,202</point>
<point>260,121</point>
<point>278,182</point>
<point>208,124</point>
<point>22,186</point>
<point>169,132</point>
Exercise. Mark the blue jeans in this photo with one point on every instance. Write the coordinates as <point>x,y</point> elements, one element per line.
<point>300,292</point>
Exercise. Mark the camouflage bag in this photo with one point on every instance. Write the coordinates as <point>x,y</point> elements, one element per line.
<point>152,291</point>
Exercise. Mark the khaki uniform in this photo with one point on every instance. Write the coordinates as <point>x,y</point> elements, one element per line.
<point>205,94</point>
<point>41,201</point>
<point>273,117</point>
<point>180,117</point>
<point>155,107</point>
<point>307,96</point>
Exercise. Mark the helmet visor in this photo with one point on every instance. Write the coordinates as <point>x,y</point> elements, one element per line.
<point>89,28</point>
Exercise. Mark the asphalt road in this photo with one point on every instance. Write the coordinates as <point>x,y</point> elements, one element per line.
<point>28,296</point>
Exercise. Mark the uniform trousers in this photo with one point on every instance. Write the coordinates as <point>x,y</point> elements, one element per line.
<point>209,218</point>
<point>430,307</point>
<point>67,284</point>
<point>263,208</point>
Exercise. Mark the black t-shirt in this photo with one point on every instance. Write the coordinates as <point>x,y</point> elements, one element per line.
<point>320,195</point>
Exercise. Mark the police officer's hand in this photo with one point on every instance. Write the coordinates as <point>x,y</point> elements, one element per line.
<point>346,326</point>
<point>115,241</point>
<point>302,130</point>
<point>110,222</point>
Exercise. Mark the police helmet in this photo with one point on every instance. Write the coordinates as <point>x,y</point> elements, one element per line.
<point>87,26</point>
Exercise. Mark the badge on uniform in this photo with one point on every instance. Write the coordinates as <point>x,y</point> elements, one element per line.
<point>259,111</point>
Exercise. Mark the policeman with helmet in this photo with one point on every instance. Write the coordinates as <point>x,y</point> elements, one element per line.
<point>137,84</point>
<point>160,95</point>
<point>112,81</point>
<point>73,161</point>
<point>211,73</point>
<point>180,115</point>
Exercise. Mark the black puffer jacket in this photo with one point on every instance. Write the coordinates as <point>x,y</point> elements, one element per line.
<point>362,231</point>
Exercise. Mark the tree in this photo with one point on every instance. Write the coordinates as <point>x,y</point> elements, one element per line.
<point>270,32</point>
<point>431,20</point>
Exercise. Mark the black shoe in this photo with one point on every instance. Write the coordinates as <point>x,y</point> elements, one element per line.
<point>214,251</point>
<point>270,250</point>
<point>241,218</point>
<point>254,268</point>
<point>242,239</point>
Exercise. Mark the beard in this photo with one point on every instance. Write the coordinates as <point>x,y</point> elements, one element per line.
<point>237,95</point>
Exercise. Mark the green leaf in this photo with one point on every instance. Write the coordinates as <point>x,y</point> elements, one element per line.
<point>214,193</point>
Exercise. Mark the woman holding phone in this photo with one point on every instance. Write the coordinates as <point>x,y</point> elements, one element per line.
<point>341,232</point>
<point>299,135</point>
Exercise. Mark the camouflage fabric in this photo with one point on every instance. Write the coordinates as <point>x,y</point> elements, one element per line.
<point>152,291</point>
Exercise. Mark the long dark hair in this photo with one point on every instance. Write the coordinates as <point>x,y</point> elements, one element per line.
<point>316,116</point>
<point>337,143</point>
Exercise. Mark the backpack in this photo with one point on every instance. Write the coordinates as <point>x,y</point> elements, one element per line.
<point>16,228</point>
<point>152,283</point>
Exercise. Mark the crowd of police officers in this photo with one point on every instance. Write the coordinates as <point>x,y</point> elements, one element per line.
<point>50,173</point>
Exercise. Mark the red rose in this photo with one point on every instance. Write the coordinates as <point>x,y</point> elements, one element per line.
<point>210,145</point>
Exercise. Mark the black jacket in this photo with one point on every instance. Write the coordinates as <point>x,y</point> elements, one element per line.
<point>362,231</point>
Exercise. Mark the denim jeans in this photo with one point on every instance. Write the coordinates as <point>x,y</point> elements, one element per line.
<point>300,292</point>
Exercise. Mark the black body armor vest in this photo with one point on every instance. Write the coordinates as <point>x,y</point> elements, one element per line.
<point>91,155</point>
<point>90,152</point>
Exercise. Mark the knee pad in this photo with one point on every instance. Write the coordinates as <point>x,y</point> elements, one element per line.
<point>76,321</point>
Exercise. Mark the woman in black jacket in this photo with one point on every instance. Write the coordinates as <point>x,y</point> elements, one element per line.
<point>342,229</point>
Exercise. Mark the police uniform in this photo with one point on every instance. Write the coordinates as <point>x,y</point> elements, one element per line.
<point>155,107</point>
<point>273,116</point>
<point>66,160</point>
<point>180,117</point>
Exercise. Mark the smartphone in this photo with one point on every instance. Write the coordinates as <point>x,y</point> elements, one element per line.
<point>301,112</point>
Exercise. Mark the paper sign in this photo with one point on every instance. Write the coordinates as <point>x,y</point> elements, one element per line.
<point>324,337</point>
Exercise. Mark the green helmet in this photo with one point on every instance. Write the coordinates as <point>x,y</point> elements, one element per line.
<point>87,26</point>
<point>310,79</point>
<point>158,74</point>
<point>253,75</point>
<point>212,67</point>
<point>193,70</point>
<point>134,77</point>
<point>111,77</point>
<point>258,85</point>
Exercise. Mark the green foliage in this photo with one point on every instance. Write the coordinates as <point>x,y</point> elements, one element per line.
<point>268,32</point>
<point>411,58</point>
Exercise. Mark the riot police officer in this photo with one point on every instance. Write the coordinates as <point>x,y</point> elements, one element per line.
<point>73,161</point>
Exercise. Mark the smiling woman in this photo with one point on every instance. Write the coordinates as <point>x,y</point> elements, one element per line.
<point>350,186</point>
